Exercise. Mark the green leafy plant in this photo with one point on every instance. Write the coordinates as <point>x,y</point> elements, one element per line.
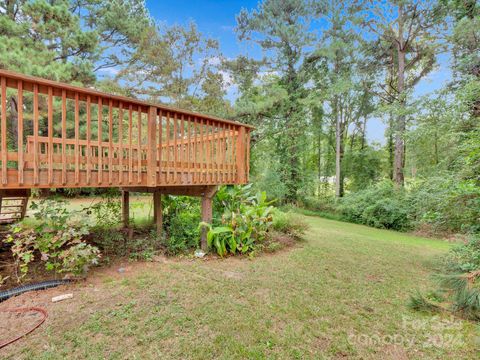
<point>107,211</point>
<point>458,279</point>
<point>245,221</point>
<point>56,237</point>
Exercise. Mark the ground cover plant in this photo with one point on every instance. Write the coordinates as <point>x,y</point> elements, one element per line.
<point>68,239</point>
<point>57,239</point>
<point>458,283</point>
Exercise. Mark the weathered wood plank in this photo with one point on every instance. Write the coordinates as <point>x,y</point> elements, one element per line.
<point>120,141</point>
<point>77,137</point>
<point>100,139</point>
<point>110,142</point>
<point>50,135</point>
<point>20,132</point>
<point>130,146</point>
<point>89,135</point>
<point>4,129</point>
<point>64,137</point>
<point>35,135</point>
<point>152,147</point>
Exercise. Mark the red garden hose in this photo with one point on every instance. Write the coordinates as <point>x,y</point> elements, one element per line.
<point>24,310</point>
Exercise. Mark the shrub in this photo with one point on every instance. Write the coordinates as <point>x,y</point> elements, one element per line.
<point>107,211</point>
<point>182,232</point>
<point>458,280</point>
<point>181,215</point>
<point>320,204</point>
<point>245,221</point>
<point>446,204</point>
<point>57,238</point>
<point>381,206</point>
<point>289,223</point>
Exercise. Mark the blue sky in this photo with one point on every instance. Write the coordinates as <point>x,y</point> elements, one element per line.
<point>216,19</point>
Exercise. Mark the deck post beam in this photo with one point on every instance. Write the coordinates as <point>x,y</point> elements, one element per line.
<point>152,147</point>
<point>126,208</point>
<point>157,212</point>
<point>207,213</point>
<point>241,178</point>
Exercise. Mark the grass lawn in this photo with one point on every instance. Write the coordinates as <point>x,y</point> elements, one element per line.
<point>341,293</point>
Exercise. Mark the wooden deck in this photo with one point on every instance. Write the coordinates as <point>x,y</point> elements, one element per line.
<point>54,135</point>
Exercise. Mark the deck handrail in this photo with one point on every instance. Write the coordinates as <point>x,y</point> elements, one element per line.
<point>50,140</point>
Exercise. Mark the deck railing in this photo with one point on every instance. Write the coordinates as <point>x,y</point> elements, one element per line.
<point>58,135</point>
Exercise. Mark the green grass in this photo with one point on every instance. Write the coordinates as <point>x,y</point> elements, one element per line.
<point>340,293</point>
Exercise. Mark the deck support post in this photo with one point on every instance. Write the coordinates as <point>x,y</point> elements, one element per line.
<point>241,158</point>
<point>207,213</point>
<point>157,212</point>
<point>126,208</point>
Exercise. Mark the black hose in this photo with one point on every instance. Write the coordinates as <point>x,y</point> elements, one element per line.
<point>4,295</point>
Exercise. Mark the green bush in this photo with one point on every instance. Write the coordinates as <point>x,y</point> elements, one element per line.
<point>323,204</point>
<point>446,204</point>
<point>57,240</point>
<point>182,232</point>
<point>181,215</point>
<point>442,204</point>
<point>245,221</point>
<point>381,206</point>
<point>289,223</point>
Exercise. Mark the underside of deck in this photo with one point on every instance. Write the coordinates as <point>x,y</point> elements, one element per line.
<point>54,135</point>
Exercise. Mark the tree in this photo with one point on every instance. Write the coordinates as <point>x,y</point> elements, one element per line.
<point>46,39</point>
<point>406,42</point>
<point>282,29</point>
<point>176,65</point>
<point>340,80</point>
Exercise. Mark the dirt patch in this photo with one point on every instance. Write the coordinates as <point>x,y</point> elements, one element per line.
<point>428,231</point>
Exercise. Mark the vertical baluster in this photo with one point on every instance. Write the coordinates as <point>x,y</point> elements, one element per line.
<point>217,151</point>
<point>203,152</point>
<point>20,131</point>
<point>240,155</point>
<point>189,147</point>
<point>182,149</point>
<point>64,137</point>
<point>223,151</point>
<point>208,164</point>
<point>196,137</point>
<point>167,129</point>
<point>130,150</point>
<point>231,154</point>
<point>152,146</point>
<point>175,148</point>
<point>139,152</point>
<point>160,146</point>
<point>77,136</point>
<point>35,135</point>
<point>248,155</point>
<point>100,140</point>
<point>50,135</point>
<point>4,130</point>
<point>120,143</point>
<point>227,154</point>
<point>110,142</point>
<point>89,135</point>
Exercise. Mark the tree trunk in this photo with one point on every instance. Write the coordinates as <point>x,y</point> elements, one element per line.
<point>338,153</point>
<point>319,148</point>
<point>400,128</point>
<point>390,146</point>
<point>364,134</point>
